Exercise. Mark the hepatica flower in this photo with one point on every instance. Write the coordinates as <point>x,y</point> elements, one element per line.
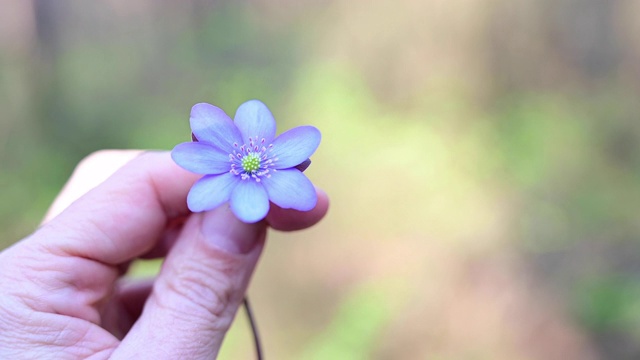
<point>245,164</point>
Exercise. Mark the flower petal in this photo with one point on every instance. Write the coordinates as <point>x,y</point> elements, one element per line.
<point>201,158</point>
<point>295,146</point>
<point>211,191</point>
<point>249,201</point>
<point>303,165</point>
<point>254,118</point>
<point>290,189</point>
<point>211,125</point>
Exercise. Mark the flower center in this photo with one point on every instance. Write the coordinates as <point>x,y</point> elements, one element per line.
<point>252,160</point>
<point>251,163</point>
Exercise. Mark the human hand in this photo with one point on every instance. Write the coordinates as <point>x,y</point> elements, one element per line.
<point>63,295</point>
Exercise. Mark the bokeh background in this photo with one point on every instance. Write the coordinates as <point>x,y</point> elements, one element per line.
<point>482,157</point>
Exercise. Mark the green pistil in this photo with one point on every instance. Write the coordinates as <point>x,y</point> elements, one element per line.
<point>251,163</point>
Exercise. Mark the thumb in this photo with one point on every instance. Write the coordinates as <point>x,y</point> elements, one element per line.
<point>198,291</point>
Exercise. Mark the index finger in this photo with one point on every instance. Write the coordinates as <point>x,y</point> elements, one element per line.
<point>124,216</point>
<point>89,173</point>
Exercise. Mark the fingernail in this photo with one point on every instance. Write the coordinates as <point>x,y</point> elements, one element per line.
<point>224,231</point>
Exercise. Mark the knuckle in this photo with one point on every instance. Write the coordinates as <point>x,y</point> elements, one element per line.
<point>204,289</point>
<point>97,157</point>
<point>96,165</point>
<point>111,159</point>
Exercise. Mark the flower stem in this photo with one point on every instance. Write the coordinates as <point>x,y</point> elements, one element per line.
<point>254,328</point>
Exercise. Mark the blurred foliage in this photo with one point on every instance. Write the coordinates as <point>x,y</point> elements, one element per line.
<point>483,158</point>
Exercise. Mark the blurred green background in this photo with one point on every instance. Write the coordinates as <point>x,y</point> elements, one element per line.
<point>482,158</point>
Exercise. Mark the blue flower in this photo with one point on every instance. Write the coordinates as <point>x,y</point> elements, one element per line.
<point>244,163</point>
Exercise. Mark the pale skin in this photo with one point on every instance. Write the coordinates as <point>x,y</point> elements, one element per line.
<point>62,290</point>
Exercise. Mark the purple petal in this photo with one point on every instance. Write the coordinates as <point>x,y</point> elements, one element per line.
<point>253,118</point>
<point>211,125</point>
<point>303,165</point>
<point>290,189</point>
<point>295,146</point>
<point>211,191</point>
<point>249,201</point>
<point>201,158</point>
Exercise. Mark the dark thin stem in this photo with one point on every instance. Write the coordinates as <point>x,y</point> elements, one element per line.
<point>254,328</point>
